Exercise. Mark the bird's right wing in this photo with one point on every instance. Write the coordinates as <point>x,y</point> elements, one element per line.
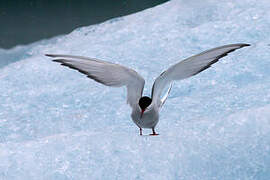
<point>190,67</point>
<point>106,73</point>
<point>164,98</point>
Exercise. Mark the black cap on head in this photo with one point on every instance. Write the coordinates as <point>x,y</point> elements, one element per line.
<point>144,102</point>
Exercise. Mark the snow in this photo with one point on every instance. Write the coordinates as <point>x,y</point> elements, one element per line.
<point>57,124</point>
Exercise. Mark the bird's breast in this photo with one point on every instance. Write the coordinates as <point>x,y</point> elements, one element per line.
<point>149,119</point>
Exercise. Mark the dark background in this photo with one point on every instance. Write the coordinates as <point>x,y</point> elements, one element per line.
<point>26,21</point>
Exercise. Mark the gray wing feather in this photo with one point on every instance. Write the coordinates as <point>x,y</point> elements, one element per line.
<point>190,67</point>
<point>106,73</point>
<point>163,100</point>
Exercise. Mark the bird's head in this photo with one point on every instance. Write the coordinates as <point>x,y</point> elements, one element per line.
<point>144,102</point>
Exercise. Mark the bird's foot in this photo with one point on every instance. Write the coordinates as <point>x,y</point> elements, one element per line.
<point>153,134</point>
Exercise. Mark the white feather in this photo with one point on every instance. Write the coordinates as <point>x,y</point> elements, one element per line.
<point>189,67</point>
<point>107,73</point>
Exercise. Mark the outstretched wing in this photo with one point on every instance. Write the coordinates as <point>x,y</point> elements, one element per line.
<point>190,67</point>
<point>106,73</point>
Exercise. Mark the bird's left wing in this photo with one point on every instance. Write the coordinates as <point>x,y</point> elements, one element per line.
<point>190,67</point>
<point>106,73</point>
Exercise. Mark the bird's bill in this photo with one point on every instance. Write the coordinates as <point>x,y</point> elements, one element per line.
<point>142,112</point>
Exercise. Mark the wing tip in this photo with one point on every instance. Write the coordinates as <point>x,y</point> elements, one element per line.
<point>58,60</point>
<point>50,55</point>
<point>55,56</point>
<point>245,45</point>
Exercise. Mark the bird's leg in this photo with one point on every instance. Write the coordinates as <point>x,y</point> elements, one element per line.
<point>154,133</point>
<point>141,131</point>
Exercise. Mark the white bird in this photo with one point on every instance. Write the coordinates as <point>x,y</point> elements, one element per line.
<point>145,110</point>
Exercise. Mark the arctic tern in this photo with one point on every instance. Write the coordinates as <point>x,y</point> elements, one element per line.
<point>145,110</point>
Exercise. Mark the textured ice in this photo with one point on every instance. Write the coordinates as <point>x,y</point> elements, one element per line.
<point>57,124</point>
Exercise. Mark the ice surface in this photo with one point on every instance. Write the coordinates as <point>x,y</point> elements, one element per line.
<point>57,124</point>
